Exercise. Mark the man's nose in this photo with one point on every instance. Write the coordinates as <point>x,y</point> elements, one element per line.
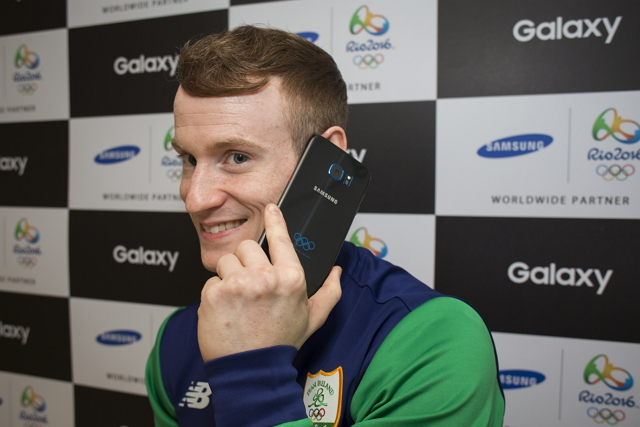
<point>203,190</point>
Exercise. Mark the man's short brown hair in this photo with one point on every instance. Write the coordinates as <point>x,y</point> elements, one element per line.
<point>242,61</point>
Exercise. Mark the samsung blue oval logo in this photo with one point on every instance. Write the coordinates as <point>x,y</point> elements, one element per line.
<point>516,145</point>
<point>520,379</point>
<point>117,154</point>
<point>119,337</point>
<point>312,37</point>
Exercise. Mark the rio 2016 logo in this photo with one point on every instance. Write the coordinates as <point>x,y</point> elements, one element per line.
<point>368,54</point>
<point>361,237</point>
<point>25,231</point>
<point>363,19</point>
<point>168,137</point>
<point>26,58</point>
<point>174,164</point>
<point>610,124</point>
<point>600,369</point>
<point>30,398</point>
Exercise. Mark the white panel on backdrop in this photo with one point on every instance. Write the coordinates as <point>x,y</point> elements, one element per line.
<point>111,342</point>
<point>575,155</point>
<point>381,56</point>
<point>35,255</point>
<point>34,76</point>
<point>35,401</point>
<point>386,52</point>
<point>125,163</point>
<point>406,240</point>
<point>310,19</point>
<point>577,382</point>
<point>93,12</point>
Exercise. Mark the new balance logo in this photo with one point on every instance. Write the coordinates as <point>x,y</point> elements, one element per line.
<point>197,396</point>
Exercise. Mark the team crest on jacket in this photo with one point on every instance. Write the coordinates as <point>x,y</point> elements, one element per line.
<point>323,397</point>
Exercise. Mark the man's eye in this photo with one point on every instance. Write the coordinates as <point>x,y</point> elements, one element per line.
<point>238,158</point>
<point>191,160</point>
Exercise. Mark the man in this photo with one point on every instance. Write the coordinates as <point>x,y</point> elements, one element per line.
<point>373,347</point>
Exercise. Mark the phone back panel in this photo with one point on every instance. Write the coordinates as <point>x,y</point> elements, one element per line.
<point>319,207</point>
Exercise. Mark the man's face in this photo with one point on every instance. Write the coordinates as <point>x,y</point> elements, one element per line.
<point>237,157</point>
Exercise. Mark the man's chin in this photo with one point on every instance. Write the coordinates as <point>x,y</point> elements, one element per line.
<point>210,261</point>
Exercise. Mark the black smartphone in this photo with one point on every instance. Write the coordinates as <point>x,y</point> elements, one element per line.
<point>319,205</point>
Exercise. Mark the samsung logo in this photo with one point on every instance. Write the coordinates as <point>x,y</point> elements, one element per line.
<point>520,379</point>
<point>117,154</point>
<point>119,337</point>
<point>325,195</point>
<point>515,145</point>
<point>312,37</point>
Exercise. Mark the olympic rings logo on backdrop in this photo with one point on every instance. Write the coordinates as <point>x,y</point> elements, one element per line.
<point>368,61</point>
<point>304,242</point>
<point>27,261</point>
<point>27,88</point>
<point>174,175</point>
<point>27,232</point>
<point>606,415</point>
<point>27,58</point>
<point>373,24</point>
<point>30,398</point>
<point>614,129</point>
<point>605,375</point>
<point>621,173</point>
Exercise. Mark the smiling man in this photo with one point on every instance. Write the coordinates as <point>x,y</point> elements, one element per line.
<point>373,347</point>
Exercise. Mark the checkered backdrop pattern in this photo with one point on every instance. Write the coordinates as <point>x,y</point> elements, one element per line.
<point>503,139</point>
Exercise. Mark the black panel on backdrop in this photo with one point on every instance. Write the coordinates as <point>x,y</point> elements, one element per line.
<point>34,335</point>
<point>130,67</point>
<point>573,278</point>
<point>21,16</point>
<point>35,163</point>
<point>566,46</point>
<point>103,408</point>
<point>396,142</point>
<point>139,257</point>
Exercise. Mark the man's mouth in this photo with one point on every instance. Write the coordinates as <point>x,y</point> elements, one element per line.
<point>222,227</point>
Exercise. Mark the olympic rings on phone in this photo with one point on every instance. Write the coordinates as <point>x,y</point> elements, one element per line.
<point>304,242</point>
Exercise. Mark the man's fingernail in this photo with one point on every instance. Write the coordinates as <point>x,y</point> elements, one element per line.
<point>273,209</point>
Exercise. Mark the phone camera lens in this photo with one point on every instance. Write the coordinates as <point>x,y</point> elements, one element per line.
<point>336,172</point>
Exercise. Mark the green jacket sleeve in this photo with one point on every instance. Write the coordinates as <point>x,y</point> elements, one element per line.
<point>164,414</point>
<point>436,368</point>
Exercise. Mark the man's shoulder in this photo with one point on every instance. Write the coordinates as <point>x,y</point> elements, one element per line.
<point>386,283</point>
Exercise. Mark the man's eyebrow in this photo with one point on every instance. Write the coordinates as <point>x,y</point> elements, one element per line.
<point>231,143</point>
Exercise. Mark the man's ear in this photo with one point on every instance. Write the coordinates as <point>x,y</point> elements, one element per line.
<point>336,135</point>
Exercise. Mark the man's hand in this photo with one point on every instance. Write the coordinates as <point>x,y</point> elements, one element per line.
<point>255,303</point>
